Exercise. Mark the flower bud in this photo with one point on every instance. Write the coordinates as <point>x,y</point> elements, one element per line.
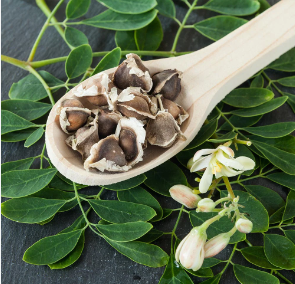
<point>184,195</point>
<point>206,205</point>
<point>216,245</point>
<point>190,251</point>
<point>244,226</point>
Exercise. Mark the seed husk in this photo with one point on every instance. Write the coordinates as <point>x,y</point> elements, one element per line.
<point>107,155</point>
<point>107,122</point>
<point>167,83</point>
<point>132,73</point>
<point>163,131</point>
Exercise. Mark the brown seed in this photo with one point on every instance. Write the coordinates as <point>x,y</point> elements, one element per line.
<point>72,103</point>
<point>172,107</point>
<point>132,73</point>
<point>167,83</point>
<point>100,100</point>
<point>107,122</point>
<point>127,141</point>
<point>77,119</point>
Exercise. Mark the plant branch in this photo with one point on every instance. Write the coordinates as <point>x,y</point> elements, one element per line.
<point>175,227</point>
<point>15,62</point>
<point>283,277</point>
<point>230,258</point>
<point>228,187</point>
<point>45,26</point>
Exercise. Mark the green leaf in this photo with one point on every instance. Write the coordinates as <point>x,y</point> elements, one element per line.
<point>141,196</point>
<point>77,8</point>
<point>213,280</point>
<point>78,224</point>
<point>174,273</point>
<point>52,193</point>
<point>75,37</point>
<point>149,37</point>
<point>166,213</point>
<point>258,82</point>
<point>223,138</point>
<point>34,137</point>
<point>125,232</point>
<point>287,81</point>
<point>203,272</point>
<point>280,251</point>
<point>290,234</point>
<point>120,22</point>
<point>163,177</point>
<point>30,209</point>
<point>52,249</point>
<point>72,257</point>
<point>125,40</point>
<point>273,130</point>
<point>290,206</point>
<point>248,97</point>
<point>25,182</point>
<point>264,5</point>
<point>127,184</point>
<point>146,254</point>
<point>221,226</point>
<point>291,100</point>
<point>78,61</point>
<point>240,122</point>
<point>271,200</point>
<point>283,179</point>
<point>262,109</point>
<point>286,143</point>
<point>151,236</point>
<point>203,135</point>
<point>281,159</point>
<point>284,63</point>
<point>30,88</point>
<point>116,211</point>
<point>110,60</point>
<point>277,216</point>
<point>247,275</point>
<point>166,8</point>
<point>26,109</point>
<point>17,165</point>
<point>217,27</point>
<point>256,256</point>
<point>209,262</point>
<point>17,136</point>
<point>46,221</point>
<point>233,7</point>
<point>254,210</point>
<point>11,122</point>
<point>129,6</point>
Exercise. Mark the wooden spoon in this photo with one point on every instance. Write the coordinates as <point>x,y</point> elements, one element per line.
<point>208,76</point>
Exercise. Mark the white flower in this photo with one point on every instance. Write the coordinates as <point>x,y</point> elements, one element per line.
<point>190,252</point>
<point>244,226</point>
<point>219,162</point>
<point>184,195</point>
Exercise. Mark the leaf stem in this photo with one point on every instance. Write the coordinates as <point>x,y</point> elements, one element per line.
<point>42,156</point>
<point>175,227</point>
<point>191,8</point>
<point>45,26</point>
<point>80,204</point>
<point>283,277</point>
<point>14,61</point>
<point>45,9</point>
<point>228,187</point>
<point>230,258</point>
<point>99,193</point>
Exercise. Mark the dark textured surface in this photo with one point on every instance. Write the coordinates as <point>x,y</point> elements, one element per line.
<point>99,263</point>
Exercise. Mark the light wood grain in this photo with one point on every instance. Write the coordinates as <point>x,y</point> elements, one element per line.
<point>208,76</point>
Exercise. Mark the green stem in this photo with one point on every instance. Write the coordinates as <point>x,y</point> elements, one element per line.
<point>230,258</point>
<point>228,187</point>
<point>175,227</point>
<point>15,62</point>
<point>38,76</point>
<point>45,9</point>
<point>45,26</point>
<point>207,223</point>
<point>248,243</point>
<point>99,193</point>
<point>80,204</point>
<point>283,277</point>
<point>191,8</point>
<point>42,156</point>
<point>41,63</point>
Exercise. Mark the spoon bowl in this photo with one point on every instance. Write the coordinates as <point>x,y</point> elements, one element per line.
<point>208,76</point>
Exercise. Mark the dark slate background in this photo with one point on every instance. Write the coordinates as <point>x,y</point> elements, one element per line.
<point>99,263</point>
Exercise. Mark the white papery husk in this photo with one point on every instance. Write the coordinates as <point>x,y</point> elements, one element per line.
<point>103,164</point>
<point>137,127</point>
<point>129,94</point>
<point>134,69</point>
<point>63,119</point>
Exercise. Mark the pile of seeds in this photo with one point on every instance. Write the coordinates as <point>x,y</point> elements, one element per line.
<point>131,108</point>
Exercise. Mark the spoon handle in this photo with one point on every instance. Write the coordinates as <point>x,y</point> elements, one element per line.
<point>219,68</point>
